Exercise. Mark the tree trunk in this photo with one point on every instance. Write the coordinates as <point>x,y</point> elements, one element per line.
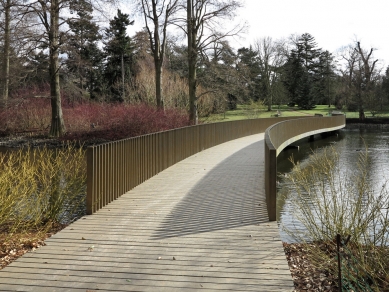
<point>269,103</point>
<point>361,114</point>
<point>192,60</point>
<point>123,79</point>
<point>158,84</point>
<point>192,91</point>
<point>360,105</point>
<point>57,128</point>
<point>5,70</point>
<point>158,57</point>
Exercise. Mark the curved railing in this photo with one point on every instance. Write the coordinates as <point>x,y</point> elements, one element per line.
<point>280,135</point>
<point>117,167</point>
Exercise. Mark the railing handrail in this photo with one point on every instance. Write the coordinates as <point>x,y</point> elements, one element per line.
<point>114,168</point>
<point>282,134</point>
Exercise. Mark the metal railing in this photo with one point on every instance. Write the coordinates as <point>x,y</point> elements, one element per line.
<point>117,167</point>
<point>280,135</point>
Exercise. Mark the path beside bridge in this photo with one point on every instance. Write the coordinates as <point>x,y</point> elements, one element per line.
<point>200,225</point>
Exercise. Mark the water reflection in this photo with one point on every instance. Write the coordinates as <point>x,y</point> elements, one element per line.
<point>349,144</point>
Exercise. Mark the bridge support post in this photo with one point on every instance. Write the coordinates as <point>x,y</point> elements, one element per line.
<point>271,181</point>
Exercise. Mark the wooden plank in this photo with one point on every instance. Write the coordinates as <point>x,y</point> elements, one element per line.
<point>200,224</point>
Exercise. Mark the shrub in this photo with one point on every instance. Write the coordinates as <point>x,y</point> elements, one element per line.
<point>119,121</point>
<point>40,187</point>
<point>90,120</point>
<point>326,201</point>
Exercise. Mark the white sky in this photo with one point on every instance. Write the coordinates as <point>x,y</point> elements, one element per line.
<point>333,23</point>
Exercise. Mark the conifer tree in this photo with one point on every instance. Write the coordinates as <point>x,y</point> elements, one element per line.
<point>301,70</point>
<point>249,65</point>
<point>119,55</point>
<point>84,56</point>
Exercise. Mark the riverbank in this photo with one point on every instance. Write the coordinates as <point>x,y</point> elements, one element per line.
<point>368,123</point>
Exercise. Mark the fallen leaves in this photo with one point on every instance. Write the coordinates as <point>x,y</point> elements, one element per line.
<point>15,245</point>
<point>11,249</point>
<point>305,276</point>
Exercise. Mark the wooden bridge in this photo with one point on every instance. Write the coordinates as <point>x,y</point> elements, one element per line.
<point>200,224</point>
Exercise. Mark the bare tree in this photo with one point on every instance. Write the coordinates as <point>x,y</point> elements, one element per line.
<point>271,57</point>
<point>360,74</point>
<point>157,16</point>
<point>349,57</point>
<point>51,14</point>
<point>366,77</point>
<point>16,33</point>
<point>4,79</point>
<point>204,26</point>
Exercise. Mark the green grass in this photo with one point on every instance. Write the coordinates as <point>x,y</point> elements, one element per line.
<point>249,112</point>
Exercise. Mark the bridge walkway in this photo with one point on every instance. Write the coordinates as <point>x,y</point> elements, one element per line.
<point>200,225</point>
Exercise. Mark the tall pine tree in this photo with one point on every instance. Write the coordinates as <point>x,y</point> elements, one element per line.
<point>301,70</point>
<point>84,56</point>
<point>249,66</point>
<point>119,55</point>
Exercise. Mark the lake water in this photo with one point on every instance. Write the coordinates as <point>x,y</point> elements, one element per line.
<point>348,143</point>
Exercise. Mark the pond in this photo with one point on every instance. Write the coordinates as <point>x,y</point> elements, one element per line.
<point>348,143</point>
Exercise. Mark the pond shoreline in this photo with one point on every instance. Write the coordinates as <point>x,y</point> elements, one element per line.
<point>366,126</point>
<point>25,141</point>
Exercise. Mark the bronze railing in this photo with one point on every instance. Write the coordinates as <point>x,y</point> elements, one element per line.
<point>117,167</point>
<point>280,135</point>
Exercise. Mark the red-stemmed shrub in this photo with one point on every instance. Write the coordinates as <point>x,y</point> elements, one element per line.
<point>89,120</point>
<point>27,111</point>
<point>119,121</point>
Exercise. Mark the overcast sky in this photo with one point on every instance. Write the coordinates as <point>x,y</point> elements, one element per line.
<point>333,23</point>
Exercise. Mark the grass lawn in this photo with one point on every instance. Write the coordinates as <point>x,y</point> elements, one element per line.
<point>249,112</point>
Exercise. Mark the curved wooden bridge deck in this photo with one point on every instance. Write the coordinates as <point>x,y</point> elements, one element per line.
<point>201,224</point>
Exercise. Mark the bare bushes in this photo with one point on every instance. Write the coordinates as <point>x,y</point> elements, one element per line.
<point>28,109</point>
<point>108,121</point>
<point>142,88</point>
<point>40,187</point>
<point>175,91</point>
<point>119,121</point>
<point>327,201</point>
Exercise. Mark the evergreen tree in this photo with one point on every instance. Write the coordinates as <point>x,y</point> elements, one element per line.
<point>37,67</point>
<point>302,71</point>
<point>84,56</point>
<point>119,55</point>
<point>218,75</point>
<point>177,56</point>
<point>249,66</point>
<point>324,78</point>
<point>293,72</point>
